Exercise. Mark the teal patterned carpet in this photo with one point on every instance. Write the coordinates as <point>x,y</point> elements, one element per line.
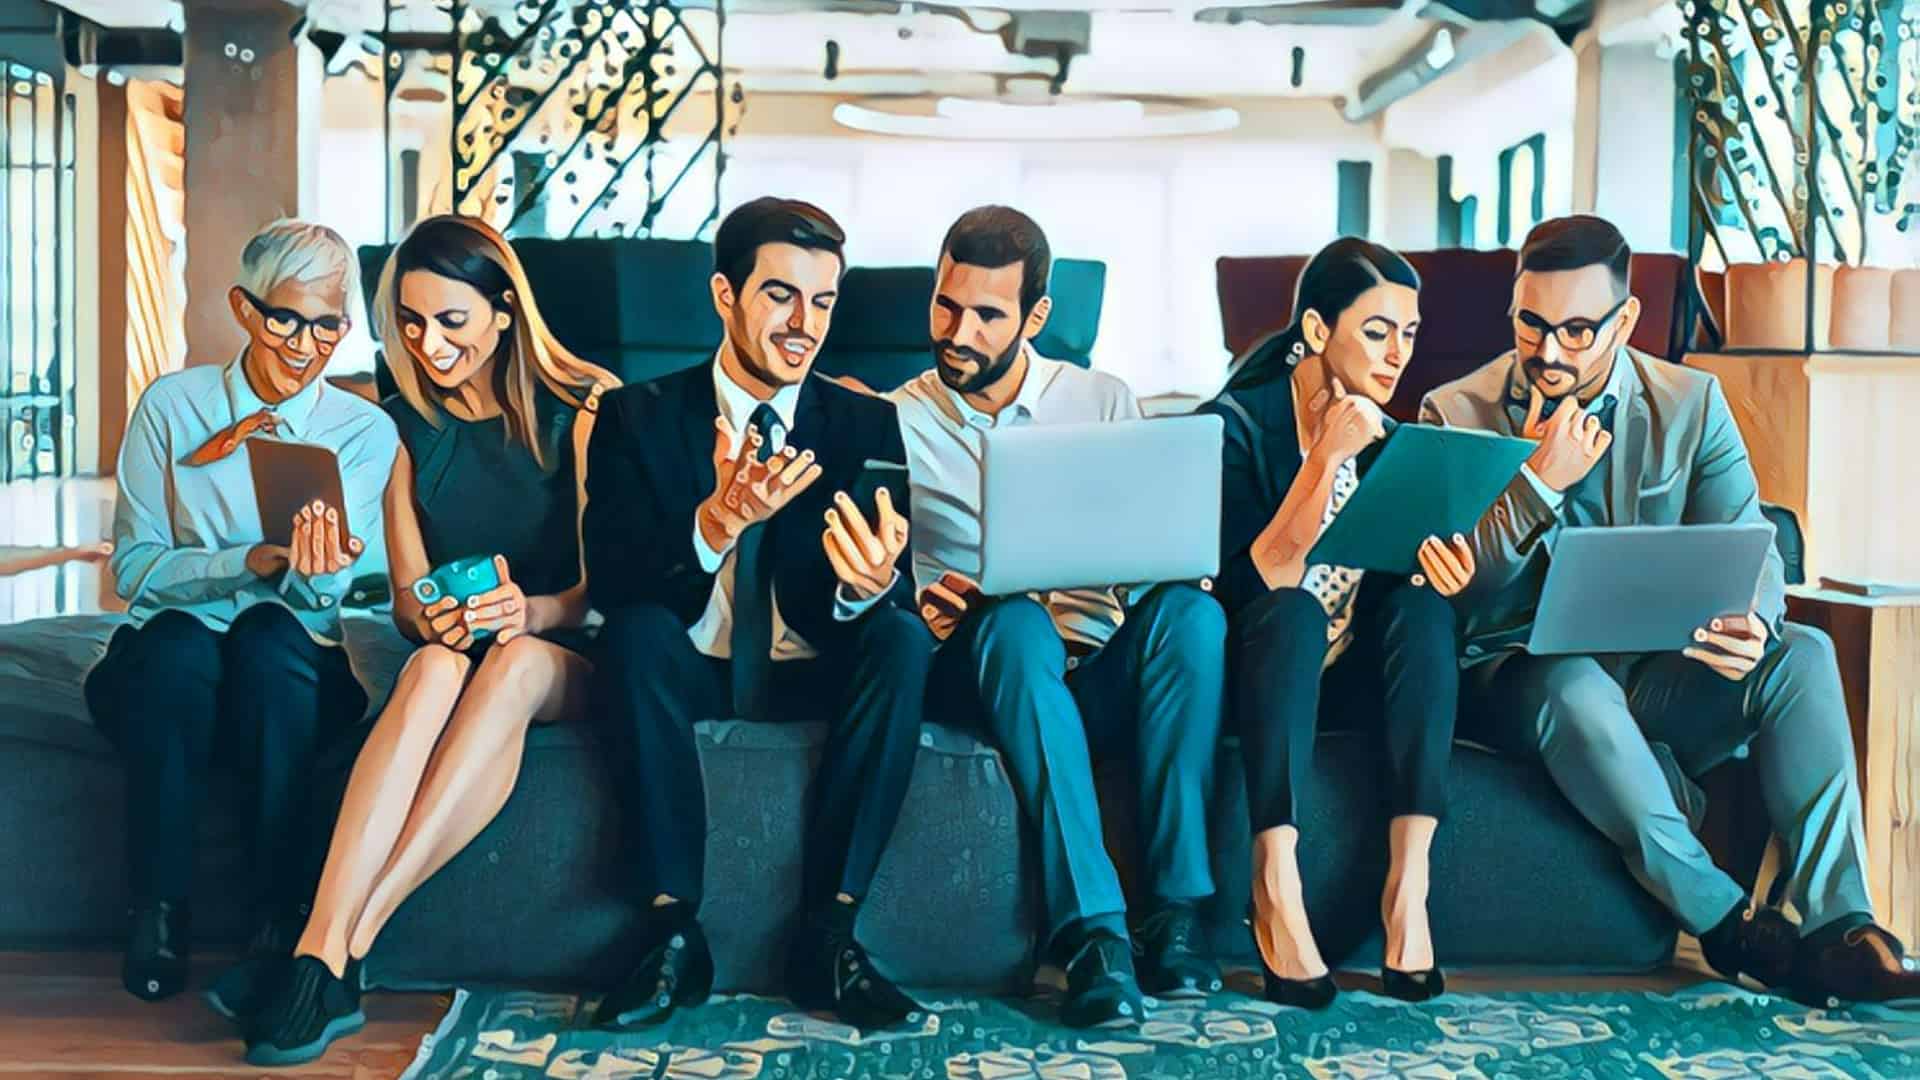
<point>1708,1032</point>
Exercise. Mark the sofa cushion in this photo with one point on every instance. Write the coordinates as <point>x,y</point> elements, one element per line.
<point>539,896</point>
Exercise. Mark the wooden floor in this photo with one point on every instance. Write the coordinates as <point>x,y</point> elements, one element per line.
<point>64,1015</point>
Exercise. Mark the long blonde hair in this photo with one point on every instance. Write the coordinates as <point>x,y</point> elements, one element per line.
<point>471,251</point>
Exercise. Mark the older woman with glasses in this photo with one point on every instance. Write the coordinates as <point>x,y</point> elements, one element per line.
<point>231,653</point>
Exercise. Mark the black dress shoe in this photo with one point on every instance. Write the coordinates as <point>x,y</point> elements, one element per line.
<point>1101,987</point>
<point>675,971</point>
<point>304,1013</point>
<point>158,949</point>
<point>1171,965</point>
<point>1862,962</point>
<point>241,989</point>
<point>1413,985</point>
<point>829,971</point>
<point>1760,943</point>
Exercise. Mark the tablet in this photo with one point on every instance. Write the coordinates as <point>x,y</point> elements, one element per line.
<point>1077,506</point>
<point>288,476</point>
<point>1427,481</point>
<point>1645,588</point>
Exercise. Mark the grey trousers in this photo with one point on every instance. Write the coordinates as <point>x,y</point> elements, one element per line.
<point>1591,719</point>
<point>1154,694</point>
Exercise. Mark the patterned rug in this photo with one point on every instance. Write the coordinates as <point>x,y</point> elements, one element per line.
<point>1704,1033</point>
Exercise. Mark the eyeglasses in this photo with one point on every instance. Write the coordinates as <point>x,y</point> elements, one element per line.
<point>1575,335</point>
<point>286,324</point>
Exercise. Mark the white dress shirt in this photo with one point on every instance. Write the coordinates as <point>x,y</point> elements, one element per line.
<point>945,438</point>
<point>181,532</point>
<point>713,634</point>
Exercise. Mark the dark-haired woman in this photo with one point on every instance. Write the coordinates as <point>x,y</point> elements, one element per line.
<point>494,417</point>
<point>1313,643</point>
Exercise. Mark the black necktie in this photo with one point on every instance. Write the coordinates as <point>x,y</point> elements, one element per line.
<point>752,638</point>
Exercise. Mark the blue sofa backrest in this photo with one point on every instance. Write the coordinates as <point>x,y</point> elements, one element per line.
<point>643,309</point>
<point>880,325</point>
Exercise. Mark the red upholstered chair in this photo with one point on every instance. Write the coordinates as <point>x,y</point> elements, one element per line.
<point>1463,305</point>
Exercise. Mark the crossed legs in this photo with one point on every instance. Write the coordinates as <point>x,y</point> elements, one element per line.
<point>442,758</point>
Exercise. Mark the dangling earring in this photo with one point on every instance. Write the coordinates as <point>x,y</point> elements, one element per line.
<point>1299,352</point>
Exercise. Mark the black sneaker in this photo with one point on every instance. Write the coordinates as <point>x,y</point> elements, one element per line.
<point>1101,988</point>
<point>158,950</point>
<point>305,1013</point>
<point>1171,963</point>
<point>244,987</point>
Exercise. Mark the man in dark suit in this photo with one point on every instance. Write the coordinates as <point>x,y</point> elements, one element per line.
<point>738,578</point>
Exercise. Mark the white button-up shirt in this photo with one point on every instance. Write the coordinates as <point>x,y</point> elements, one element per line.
<point>945,439</point>
<point>182,532</point>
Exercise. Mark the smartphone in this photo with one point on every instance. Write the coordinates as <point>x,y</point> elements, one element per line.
<point>967,591</point>
<point>875,475</point>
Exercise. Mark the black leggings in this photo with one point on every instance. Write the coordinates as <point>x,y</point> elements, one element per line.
<point>1400,675</point>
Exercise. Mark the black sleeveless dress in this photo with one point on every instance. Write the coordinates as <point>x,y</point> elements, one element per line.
<point>481,493</point>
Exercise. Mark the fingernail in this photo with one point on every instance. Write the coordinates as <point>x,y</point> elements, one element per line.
<point>332,515</point>
<point>1459,538</point>
<point>1716,624</point>
<point>1699,635</point>
<point>473,601</point>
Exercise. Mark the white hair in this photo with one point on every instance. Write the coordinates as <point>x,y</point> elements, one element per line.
<point>291,250</point>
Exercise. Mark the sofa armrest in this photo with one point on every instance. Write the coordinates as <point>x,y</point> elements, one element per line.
<point>1789,539</point>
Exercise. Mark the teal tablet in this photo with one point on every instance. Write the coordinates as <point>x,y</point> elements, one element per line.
<point>1427,481</point>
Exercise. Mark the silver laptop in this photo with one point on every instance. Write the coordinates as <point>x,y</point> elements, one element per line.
<point>1645,588</point>
<point>1071,506</point>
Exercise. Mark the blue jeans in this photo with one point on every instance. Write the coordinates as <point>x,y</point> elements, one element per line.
<point>1154,692</point>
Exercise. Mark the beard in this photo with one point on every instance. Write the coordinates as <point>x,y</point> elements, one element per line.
<point>1537,367</point>
<point>987,371</point>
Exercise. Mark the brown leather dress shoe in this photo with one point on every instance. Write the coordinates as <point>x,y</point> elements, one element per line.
<point>1866,963</point>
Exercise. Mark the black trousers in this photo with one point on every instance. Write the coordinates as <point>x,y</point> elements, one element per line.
<point>653,686</point>
<point>262,699</point>
<point>1400,677</point>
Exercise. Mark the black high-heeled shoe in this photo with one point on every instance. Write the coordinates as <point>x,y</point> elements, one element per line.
<point>1313,994</point>
<point>1415,986</point>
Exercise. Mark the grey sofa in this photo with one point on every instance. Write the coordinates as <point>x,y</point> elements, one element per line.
<point>538,898</point>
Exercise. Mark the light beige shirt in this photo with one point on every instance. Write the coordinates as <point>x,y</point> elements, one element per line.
<point>946,438</point>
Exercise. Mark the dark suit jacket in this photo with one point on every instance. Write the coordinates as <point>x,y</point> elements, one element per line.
<point>650,465</point>
<point>1259,460</point>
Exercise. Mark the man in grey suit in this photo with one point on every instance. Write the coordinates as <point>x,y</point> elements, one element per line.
<point>1628,439</point>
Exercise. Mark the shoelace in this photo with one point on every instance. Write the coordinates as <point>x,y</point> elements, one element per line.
<point>1175,925</point>
<point>1104,951</point>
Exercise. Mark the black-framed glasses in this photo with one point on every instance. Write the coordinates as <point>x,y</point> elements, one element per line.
<point>286,323</point>
<point>1575,335</point>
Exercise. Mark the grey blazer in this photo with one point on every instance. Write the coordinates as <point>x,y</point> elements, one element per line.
<point>1677,459</point>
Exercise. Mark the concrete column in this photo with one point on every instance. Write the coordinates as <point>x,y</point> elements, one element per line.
<point>250,130</point>
<point>1623,139</point>
<point>1411,221</point>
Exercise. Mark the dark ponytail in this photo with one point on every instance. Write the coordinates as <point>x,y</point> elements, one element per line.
<point>1330,283</point>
